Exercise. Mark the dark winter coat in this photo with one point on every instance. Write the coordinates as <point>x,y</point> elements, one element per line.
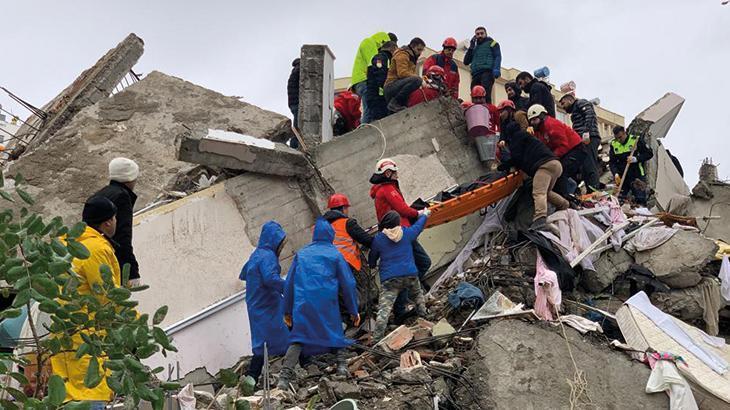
<point>124,198</point>
<point>584,119</point>
<point>527,152</point>
<point>484,56</point>
<point>356,232</point>
<point>377,73</point>
<point>521,103</point>
<point>292,86</point>
<point>540,94</point>
<point>396,258</point>
<point>617,162</point>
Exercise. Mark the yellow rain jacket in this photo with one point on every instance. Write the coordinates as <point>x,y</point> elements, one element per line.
<point>364,56</point>
<point>65,364</point>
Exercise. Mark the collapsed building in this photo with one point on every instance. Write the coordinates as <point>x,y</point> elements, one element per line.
<point>214,169</point>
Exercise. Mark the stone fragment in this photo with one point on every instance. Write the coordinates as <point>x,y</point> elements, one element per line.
<point>443,328</point>
<point>679,260</point>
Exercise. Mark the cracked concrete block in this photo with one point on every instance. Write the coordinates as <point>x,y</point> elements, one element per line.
<point>237,151</point>
<point>607,268</point>
<point>679,260</point>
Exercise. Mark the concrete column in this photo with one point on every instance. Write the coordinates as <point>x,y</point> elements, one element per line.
<point>316,94</point>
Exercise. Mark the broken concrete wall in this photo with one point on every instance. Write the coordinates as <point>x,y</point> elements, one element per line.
<point>141,123</point>
<point>94,84</point>
<point>528,366</point>
<point>430,145</point>
<point>717,205</point>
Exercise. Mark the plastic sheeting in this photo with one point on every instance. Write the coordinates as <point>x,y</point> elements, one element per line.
<point>649,238</point>
<point>725,278</point>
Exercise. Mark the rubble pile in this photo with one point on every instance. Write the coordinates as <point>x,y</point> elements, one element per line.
<point>141,122</point>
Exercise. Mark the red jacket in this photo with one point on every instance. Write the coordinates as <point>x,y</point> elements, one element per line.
<point>348,105</point>
<point>452,71</point>
<point>388,197</point>
<point>422,94</point>
<point>558,136</point>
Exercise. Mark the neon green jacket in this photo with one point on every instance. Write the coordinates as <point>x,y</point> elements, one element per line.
<point>365,53</point>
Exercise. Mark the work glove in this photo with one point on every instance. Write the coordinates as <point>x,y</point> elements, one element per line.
<point>287,321</point>
<point>632,160</point>
<point>425,212</point>
<point>586,138</point>
<point>496,73</point>
<point>355,320</point>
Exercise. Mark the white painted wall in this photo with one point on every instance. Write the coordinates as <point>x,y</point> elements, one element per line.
<point>190,253</point>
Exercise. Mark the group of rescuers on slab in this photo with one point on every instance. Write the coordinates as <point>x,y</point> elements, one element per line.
<point>300,316</point>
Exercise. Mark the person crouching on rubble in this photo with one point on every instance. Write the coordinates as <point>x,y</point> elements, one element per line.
<point>393,246</point>
<point>311,305</point>
<point>264,297</point>
<point>534,158</point>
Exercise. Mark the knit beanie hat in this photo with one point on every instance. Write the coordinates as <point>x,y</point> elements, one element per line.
<point>98,209</point>
<point>390,220</point>
<point>123,170</point>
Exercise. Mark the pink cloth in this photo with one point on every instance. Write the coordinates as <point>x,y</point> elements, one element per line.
<point>547,290</point>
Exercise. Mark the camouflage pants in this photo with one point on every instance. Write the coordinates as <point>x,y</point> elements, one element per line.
<point>390,290</point>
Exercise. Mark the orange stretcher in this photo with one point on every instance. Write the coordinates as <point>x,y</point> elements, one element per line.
<point>473,201</point>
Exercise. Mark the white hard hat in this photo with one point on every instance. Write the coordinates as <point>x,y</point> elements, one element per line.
<point>535,111</point>
<point>385,164</point>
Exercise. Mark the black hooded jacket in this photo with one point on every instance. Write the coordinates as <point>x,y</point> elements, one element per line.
<point>353,228</point>
<point>526,152</point>
<point>292,86</point>
<point>540,94</point>
<point>124,198</point>
<point>521,103</point>
<point>583,116</point>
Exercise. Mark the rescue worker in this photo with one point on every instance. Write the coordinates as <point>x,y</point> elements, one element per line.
<point>349,235</point>
<point>585,123</point>
<point>479,96</point>
<point>347,112</point>
<point>264,297</point>
<point>565,143</point>
<point>388,197</point>
<point>402,77</point>
<point>535,159</point>
<point>365,52</point>
<point>292,93</point>
<point>393,246</point>
<point>433,87</point>
<point>620,157</point>
<point>377,73</point>
<point>445,60</point>
<point>514,94</point>
<point>539,92</point>
<point>311,306</point>
<point>123,174</point>
<point>508,112</point>
<point>484,57</point>
<point>99,214</point>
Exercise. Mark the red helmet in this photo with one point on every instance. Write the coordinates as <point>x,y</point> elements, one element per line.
<point>506,103</point>
<point>337,201</point>
<point>449,42</point>
<point>435,70</point>
<point>478,91</point>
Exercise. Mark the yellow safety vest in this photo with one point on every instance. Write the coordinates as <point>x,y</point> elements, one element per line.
<point>626,147</point>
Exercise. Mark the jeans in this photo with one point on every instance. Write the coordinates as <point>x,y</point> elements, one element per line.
<point>361,89</point>
<point>294,143</point>
<point>423,264</point>
<point>486,80</point>
<point>399,90</point>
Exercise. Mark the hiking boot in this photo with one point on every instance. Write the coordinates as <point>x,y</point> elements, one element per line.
<point>539,224</point>
<point>285,378</point>
<point>394,106</point>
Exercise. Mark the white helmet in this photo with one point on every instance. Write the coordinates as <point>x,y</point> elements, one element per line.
<point>385,164</point>
<point>535,111</point>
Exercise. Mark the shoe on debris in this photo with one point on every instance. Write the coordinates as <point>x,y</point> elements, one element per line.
<point>539,224</point>
<point>394,106</point>
<point>284,379</point>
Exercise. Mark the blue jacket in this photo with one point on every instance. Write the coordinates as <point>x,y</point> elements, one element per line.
<point>396,258</point>
<point>264,288</point>
<point>316,276</point>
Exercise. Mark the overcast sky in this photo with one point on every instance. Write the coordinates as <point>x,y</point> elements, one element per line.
<point>627,53</point>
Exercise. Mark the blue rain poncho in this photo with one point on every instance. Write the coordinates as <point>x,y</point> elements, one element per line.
<point>315,277</point>
<point>264,288</point>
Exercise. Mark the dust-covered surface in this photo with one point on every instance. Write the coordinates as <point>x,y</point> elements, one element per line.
<point>140,123</point>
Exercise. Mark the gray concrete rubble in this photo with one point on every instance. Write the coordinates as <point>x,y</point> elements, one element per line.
<point>93,85</point>
<point>521,365</point>
<point>607,268</point>
<point>142,123</point>
<point>678,261</point>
